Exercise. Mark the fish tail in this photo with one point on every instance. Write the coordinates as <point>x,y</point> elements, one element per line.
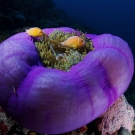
<point>26,31</point>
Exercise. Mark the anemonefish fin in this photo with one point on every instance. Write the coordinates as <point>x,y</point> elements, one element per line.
<point>27,31</point>
<point>62,43</point>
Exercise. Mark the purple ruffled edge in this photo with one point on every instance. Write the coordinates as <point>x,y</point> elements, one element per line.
<point>77,102</point>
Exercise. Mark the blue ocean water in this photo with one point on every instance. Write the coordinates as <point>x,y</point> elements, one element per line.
<point>116,17</point>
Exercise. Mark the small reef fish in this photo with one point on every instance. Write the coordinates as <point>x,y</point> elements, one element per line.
<point>14,91</point>
<point>73,42</point>
<point>35,32</point>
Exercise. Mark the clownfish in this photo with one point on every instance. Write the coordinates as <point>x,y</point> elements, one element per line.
<point>35,32</point>
<point>73,42</point>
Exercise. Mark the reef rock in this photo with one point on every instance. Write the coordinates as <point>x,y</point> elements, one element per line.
<point>120,114</point>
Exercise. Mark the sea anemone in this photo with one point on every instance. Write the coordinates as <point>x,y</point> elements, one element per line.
<point>51,100</point>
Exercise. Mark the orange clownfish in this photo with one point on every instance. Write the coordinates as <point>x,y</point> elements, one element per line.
<point>35,32</point>
<point>73,42</point>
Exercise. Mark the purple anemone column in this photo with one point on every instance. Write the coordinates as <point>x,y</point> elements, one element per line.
<point>53,101</point>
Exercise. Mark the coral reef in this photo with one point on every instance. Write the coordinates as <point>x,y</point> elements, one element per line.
<point>120,114</point>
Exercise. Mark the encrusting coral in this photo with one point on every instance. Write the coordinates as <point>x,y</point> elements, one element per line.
<point>120,114</point>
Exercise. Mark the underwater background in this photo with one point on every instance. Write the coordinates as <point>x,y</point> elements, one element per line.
<point>104,16</point>
<point>100,16</point>
<point>97,17</point>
